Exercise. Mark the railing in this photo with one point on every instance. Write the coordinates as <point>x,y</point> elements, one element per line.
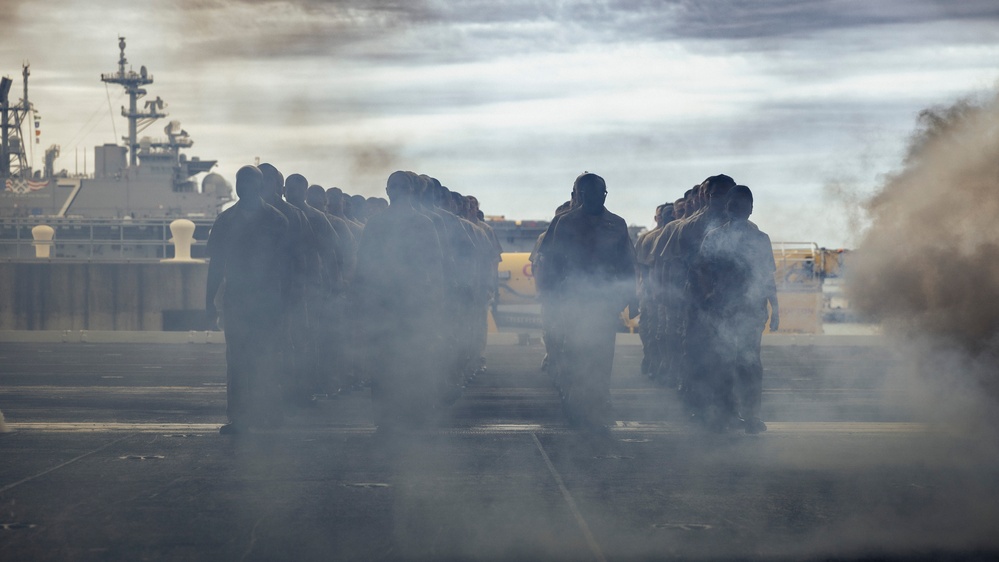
<point>113,240</point>
<point>798,266</point>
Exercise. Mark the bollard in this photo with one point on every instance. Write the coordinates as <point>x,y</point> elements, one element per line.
<point>43,235</point>
<point>183,236</point>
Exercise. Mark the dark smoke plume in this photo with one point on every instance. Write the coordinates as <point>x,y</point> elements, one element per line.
<point>928,266</point>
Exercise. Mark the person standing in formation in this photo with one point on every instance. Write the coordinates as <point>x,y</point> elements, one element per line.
<point>249,273</point>
<point>399,287</point>
<point>733,280</point>
<point>589,271</point>
<point>649,315</point>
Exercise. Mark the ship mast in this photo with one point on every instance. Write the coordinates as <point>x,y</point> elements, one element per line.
<point>13,159</point>
<point>137,120</point>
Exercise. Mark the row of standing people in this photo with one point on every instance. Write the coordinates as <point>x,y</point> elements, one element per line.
<point>294,281</point>
<point>706,283</point>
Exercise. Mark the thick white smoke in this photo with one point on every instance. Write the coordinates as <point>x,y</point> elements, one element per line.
<point>928,265</point>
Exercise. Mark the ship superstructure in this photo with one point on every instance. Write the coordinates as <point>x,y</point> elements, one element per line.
<point>145,178</point>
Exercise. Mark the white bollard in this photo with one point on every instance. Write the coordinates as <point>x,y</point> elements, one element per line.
<point>183,236</point>
<point>43,235</point>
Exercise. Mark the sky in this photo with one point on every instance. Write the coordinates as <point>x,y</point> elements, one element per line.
<point>809,103</point>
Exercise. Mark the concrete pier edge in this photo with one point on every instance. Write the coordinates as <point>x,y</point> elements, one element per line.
<point>500,338</point>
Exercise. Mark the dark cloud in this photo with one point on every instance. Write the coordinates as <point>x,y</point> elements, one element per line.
<point>426,32</point>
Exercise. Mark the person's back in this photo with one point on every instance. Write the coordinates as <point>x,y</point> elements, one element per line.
<point>733,276</point>
<point>589,264</point>
<point>303,247</point>
<point>326,239</point>
<point>249,271</point>
<point>592,254</point>
<point>399,286</point>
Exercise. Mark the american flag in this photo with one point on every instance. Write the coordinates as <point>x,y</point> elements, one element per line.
<point>21,185</point>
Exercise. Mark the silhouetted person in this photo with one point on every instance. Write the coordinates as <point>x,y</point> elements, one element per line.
<point>359,208</point>
<point>649,323</point>
<point>374,205</point>
<point>346,250</point>
<point>349,211</point>
<point>733,279</point>
<point>697,379</point>
<point>335,199</point>
<point>249,272</point>
<point>551,320</point>
<point>463,286</point>
<point>490,255</point>
<point>589,269</point>
<point>548,325</point>
<point>399,288</point>
<point>669,285</point>
<point>323,297</point>
<point>306,270</point>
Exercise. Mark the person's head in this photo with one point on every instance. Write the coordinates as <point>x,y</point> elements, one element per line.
<point>334,201</point>
<point>433,192</point>
<point>666,214</point>
<point>443,200</point>
<point>249,184</point>
<point>348,207</point>
<point>458,204</point>
<point>715,189</point>
<point>375,205</point>
<point>591,191</point>
<point>739,203</point>
<point>315,197</point>
<point>357,203</point>
<point>679,209</point>
<point>295,187</point>
<point>691,201</point>
<point>399,187</point>
<point>473,207</point>
<point>658,218</point>
<point>273,183</point>
<point>419,187</point>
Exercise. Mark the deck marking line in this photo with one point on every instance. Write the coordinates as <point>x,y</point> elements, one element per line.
<point>58,466</point>
<point>592,542</point>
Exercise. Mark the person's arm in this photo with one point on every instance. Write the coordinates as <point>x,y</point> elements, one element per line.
<point>766,249</point>
<point>774,312</point>
<point>216,271</point>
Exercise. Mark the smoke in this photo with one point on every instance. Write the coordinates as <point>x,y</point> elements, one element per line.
<point>928,265</point>
<point>368,163</point>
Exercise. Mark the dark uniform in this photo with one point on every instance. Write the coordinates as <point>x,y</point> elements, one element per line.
<point>733,278</point>
<point>549,315</point>
<point>305,270</point>
<point>589,271</point>
<point>323,297</point>
<point>679,253</point>
<point>649,323</point>
<point>248,272</point>
<point>399,289</point>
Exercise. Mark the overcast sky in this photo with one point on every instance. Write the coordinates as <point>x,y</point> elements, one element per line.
<point>807,102</point>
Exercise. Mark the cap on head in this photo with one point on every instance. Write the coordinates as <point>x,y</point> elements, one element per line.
<point>587,179</point>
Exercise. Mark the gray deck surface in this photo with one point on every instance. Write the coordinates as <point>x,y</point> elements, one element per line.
<point>115,456</point>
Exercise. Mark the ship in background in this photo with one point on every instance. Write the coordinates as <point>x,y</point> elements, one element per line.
<point>144,183</point>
